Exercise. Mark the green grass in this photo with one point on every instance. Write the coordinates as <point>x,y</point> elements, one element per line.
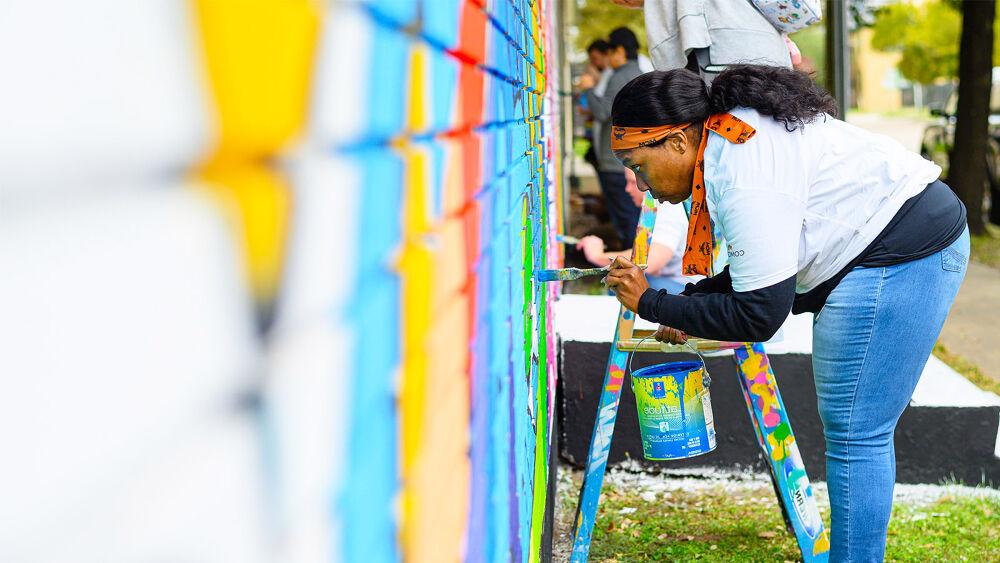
<point>966,368</point>
<point>986,248</point>
<point>952,529</point>
<point>682,526</point>
<point>721,525</point>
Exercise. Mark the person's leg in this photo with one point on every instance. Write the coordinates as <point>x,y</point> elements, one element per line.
<point>591,156</point>
<point>624,213</point>
<point>870,344</point>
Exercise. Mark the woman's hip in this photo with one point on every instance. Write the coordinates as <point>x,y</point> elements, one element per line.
<point>887,319</point>
<point>914,294</point>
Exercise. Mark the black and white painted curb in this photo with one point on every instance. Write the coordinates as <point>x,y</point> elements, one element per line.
<point>949,432</point>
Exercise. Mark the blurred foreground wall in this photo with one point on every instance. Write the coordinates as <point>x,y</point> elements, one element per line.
<point>266,279</point>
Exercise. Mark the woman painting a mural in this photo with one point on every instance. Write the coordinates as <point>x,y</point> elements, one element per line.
<point>818,216</point>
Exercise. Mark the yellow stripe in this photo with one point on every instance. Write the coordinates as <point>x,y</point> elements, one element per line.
<point>257,201</point>
<point>259,57</point>
<point>434,401</point>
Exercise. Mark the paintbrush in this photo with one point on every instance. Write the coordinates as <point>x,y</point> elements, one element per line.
<point>567,274</point>
<point>566,239</point>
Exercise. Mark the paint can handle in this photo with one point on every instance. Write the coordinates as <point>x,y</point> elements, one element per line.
<point>628,366</point>
<point>706,379</point>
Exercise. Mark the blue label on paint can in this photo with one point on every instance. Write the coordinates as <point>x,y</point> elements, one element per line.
<point>674,410</point>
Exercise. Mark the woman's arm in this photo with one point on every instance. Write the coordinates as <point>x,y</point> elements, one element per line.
<point>751,316</point>
<point>593,250</point>
<point>719,283</point>
<point>658,257</point>
<point>762,228</point>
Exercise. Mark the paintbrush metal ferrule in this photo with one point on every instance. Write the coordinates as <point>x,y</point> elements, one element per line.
<point>569,274</point>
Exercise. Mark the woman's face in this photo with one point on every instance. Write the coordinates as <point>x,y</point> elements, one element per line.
<point>665,170</point>
<point>617,57</point>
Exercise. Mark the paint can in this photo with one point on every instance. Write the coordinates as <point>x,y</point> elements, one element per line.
<point>675,410</point>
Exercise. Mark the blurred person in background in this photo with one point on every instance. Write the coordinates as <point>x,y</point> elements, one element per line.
<point>663,265</point>
<point>599,69</point>
<point>623,59</point>
<point>705,36</point>
<point>598,73</point>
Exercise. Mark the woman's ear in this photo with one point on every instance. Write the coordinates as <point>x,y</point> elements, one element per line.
<point>678,141</point>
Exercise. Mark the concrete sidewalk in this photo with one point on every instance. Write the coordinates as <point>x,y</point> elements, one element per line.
<point>973,324</point>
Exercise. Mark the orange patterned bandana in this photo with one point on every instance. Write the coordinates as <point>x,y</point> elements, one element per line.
<point>698,256</point>
<point>625,138</point>
<point>699,253</point>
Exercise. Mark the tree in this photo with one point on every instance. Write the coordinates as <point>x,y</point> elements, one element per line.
<point>596,18</point>
<point>951,39</point>
<point>968,157</point>
<point>927,37</point>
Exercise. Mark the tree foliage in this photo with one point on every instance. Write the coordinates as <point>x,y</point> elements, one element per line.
<point>967,174</point>
<point>926,35</point>
<point>596,18</point>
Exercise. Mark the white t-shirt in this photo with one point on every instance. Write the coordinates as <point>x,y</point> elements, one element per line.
<point>670,230</point>
<point>806,202</point>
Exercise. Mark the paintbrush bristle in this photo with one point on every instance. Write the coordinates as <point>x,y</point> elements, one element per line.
<point>547,275</point>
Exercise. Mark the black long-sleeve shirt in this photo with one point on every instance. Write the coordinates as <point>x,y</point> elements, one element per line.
<point>925,224</point>
<point>711,309</point>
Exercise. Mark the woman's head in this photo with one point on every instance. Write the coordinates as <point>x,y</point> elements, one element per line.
<point>676,97</point>
<point>597,53</point>
<point>623,47</point>
<point>655,99</point>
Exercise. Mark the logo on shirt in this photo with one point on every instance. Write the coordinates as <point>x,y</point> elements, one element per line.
<point>733,253</point>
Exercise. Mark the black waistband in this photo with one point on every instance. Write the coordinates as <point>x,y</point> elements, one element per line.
<point>926,223</point>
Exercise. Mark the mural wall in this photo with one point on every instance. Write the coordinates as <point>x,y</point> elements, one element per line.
<point>455,150</point>
<point>268,279</point>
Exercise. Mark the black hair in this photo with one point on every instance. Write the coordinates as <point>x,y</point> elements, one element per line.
<point>599,45</point>
<point>623,37</point>
<point>681,96</point>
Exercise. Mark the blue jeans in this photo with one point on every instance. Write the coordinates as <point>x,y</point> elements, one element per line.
<point>870,344</point>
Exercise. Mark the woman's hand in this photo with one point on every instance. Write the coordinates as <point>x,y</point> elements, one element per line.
<point>628,282</point>
<point>593,250</point>
<point>670,335</point>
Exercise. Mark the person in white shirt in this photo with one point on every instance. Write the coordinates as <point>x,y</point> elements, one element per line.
<point>705,36</point>
<point>663,264</point>
<point>818,216</point>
